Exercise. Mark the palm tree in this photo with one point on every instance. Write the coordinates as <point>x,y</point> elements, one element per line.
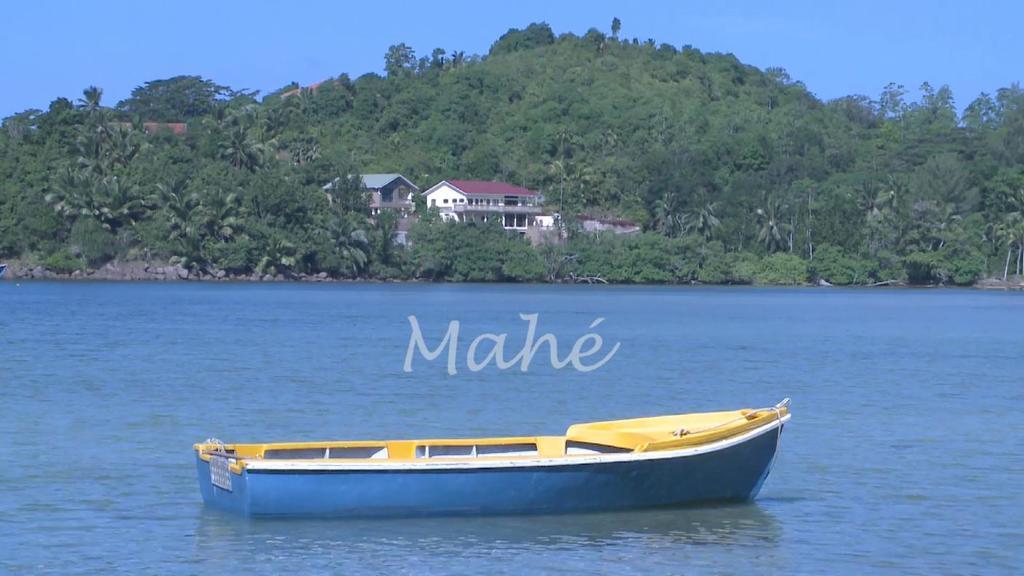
<point>585,181</point>
<point>884,218</point>
<point>352,243</point>
<point>945,220</point>
<point>669,218</point>
<point>458,60</point>
<point>240,150</point>
<point>305,150</point>
<point>103,148</point>
<point>182,211</point>
<point>111,201</point>
<point>279,258</point>
<point>386,223</point>
<point>93,143</point>
<point>872,202</point>
<point>304,101</point>
<point>220,215</point>
<point>879,200</point>
<point>119,203</point>
<point>91,98</point>
<point>702,219</point>
<point>1003,232</point>
<point>1018,233</point>
<point>1011,232</point>
<point>71,196</point>
<point>273,121</point>
<point>770,226</point>
<point>350,239</point>
<point>566,140</point>
<point>609,142</point>
<point>123,145</point>
<point>557,167</point>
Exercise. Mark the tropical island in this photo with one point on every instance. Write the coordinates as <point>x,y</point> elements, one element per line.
<point>641,163</point>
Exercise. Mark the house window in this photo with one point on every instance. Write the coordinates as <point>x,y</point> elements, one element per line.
<point>445,200</point>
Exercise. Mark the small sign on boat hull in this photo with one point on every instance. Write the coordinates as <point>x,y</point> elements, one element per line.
<point>220,474</point>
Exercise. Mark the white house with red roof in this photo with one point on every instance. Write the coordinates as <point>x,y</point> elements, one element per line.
<point>480,201</point>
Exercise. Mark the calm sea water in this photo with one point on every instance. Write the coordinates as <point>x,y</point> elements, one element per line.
<point>904,454</point>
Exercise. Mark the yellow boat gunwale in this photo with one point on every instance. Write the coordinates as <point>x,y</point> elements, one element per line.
<point>651,434</point>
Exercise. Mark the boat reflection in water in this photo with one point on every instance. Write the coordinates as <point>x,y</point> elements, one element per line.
<point>650,538</point>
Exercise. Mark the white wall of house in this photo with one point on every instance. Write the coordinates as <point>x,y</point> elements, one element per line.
<point>444,196</point>
<point>544,220</point>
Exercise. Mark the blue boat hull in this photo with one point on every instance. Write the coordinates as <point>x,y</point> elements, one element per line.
<point>732,473</point>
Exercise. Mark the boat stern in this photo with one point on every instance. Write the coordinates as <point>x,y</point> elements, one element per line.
<point>222,481</point>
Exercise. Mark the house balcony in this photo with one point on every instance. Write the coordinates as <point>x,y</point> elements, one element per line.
<point>497,208</point>
<point>393,205</point>
<point>401,206</point>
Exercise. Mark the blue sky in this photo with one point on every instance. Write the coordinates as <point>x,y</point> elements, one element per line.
<point>51,49</point>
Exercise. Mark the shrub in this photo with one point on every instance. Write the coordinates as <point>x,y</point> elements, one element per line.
<point>95,244</point>
<point>521,262</point>
<point>957,264</point>
<point>62,262</point>
<point>964,269</point>
<point>386,272</point>
<point>782,268</point>
<point>236,257</point>
<point>920,267</point>
<point>714,266</point>
<point>833,265</point>
<point>743,267</point>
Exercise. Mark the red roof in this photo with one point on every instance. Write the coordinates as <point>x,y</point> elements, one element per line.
<point>490,188</point>
<point>312,88</point>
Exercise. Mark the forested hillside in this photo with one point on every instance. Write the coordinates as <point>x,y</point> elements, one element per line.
<point>736,174</point>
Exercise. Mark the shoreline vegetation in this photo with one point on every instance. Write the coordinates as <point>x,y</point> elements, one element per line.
<point>730,173</point>
<point>165,272</point>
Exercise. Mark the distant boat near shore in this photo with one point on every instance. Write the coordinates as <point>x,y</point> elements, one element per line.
<point>3,268</point>
<point>625,464</point>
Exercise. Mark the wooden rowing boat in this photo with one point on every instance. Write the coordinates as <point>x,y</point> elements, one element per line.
<point>624,464</point>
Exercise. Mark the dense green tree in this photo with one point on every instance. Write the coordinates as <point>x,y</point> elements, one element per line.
<point>400,60</point>
<point>177,99</point>
<point>533,36</point>
<point>737,175</point>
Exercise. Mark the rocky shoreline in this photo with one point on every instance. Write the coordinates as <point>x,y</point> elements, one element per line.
<point>1011,283</point>
<point>154,272</point>
<point>164,272</point>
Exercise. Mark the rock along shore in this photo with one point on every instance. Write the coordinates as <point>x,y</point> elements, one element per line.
<point>161,272</point>
<point>157,272</point>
